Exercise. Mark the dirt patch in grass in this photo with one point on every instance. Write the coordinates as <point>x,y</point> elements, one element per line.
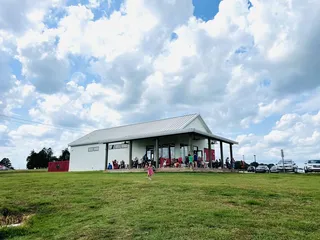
<point>11,218</point>
<point>231,203</point>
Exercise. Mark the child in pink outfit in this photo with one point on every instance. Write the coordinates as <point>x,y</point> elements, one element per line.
<point>150,171</point>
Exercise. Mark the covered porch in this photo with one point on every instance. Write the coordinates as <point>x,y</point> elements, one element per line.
<point>169,150</point>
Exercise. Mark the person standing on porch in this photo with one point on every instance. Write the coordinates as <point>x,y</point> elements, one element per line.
<point>227,163</point>
<point>109,166</point>
<point>190,160</point>
<point>232,163</point>
<point>195,159</point>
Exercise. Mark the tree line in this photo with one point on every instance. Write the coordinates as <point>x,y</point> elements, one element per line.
<point>39,159</point>
<point>42,158</point>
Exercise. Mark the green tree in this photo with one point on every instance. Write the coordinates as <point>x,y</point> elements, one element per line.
<point>65,155</point>
<point>270,165</point>
<point>31,160</point>
<point>40,159</point>
<point>6,162</point>
<point>255,164</point>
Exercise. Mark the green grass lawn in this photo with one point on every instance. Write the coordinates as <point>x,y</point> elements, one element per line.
<point>172,206</point>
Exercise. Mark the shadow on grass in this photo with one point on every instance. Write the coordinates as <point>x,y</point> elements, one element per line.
<point>254,203</point>
<point>10,232</point>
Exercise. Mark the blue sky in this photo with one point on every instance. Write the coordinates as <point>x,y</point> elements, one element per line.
<point>71,65</point>
<point>206,9</point>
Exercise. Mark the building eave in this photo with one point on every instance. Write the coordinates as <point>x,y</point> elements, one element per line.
<point>158,134</point>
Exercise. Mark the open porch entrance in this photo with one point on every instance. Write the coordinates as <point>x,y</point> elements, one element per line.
<point>171,151</point>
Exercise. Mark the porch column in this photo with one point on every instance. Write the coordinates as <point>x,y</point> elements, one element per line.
<point>190,144</point>
<point>231,153</point>
<point>221,154</point>
<point>177,151</point>
<point>130,154</point>
<point>106,160</point>
<point>209,153</point>
<point>156,153</point>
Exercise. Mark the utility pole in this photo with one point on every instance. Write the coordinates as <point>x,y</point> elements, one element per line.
<point>282,156</point>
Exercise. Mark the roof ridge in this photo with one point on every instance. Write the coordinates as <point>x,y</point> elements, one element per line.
<point>158,120</point>
<point>191,120</point>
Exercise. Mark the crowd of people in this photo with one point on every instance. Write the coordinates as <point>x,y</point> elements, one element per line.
<point>143,163</point>
<point>116,165</point>
<point>191,161</point>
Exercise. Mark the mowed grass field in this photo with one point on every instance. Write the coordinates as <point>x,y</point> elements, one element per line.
<point>99,205</point>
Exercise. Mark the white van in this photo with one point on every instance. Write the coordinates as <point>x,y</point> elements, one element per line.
<point>287,165</point>
<point>312,166</point>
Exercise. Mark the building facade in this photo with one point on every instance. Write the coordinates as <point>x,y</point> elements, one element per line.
<point>172,138</point>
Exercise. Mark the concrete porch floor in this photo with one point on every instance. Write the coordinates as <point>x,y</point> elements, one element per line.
<point>173,170</point>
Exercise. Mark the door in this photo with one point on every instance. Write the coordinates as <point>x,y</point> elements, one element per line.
<point>150,153</point>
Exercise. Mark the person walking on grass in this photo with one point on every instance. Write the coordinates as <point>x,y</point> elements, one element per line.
<point>150,171</point>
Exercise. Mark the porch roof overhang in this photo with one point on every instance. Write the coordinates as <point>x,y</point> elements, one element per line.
<point>159,134</point>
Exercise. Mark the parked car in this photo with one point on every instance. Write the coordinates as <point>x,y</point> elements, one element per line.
<point>251,169</point>
<point>287,165</point>
<point>312,166</point>
<point>300,170</point>
<point>262,169</point>
<point>274,169</point>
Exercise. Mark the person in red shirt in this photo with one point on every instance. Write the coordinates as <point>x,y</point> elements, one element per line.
<point>150,171</point>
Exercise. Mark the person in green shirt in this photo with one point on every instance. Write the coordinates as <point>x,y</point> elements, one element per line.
<point>190,160</point>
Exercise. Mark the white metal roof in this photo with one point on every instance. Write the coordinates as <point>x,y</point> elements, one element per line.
<point>163,127</point>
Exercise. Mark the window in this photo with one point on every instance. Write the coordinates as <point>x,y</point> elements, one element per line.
<point>93,149</point>
<point>118,146</point>
<point>314,161</point>
<point>184,151</point>
<point>285,162</point>
<point>166,151</point>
